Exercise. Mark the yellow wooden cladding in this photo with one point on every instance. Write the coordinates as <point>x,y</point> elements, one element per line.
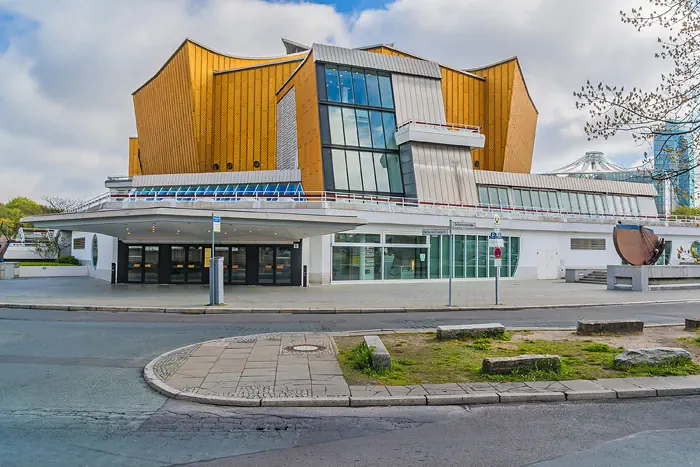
<point>245,109</point>
<point>164,109</point>
<point>308,124</point>
<point>134,164</point>
<point>522,126</point>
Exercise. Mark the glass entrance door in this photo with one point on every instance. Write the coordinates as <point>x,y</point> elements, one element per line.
<point>135,263</point>
<point>177,268</point>
<point>266,265</point>
<point>142,266</point>
<point>274,265</point>
<point>194,265</point>
<point>283,265</point>
<point>238,265</point>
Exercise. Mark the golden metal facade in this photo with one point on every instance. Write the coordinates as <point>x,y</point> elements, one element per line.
<point>134,163</point>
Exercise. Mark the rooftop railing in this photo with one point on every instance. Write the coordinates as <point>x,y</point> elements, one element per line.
<point>443,126</point>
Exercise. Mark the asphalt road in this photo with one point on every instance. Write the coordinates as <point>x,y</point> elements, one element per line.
<point>71,393</point>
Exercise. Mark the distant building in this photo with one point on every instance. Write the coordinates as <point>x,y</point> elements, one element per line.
<point>594,165</point>
<point>673,154</point>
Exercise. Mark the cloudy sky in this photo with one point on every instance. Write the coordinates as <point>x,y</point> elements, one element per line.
<point>68,67</point>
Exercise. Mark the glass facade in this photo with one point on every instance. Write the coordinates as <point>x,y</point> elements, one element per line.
<point>269,191</point>
<point>403,257</point>
<point>558,201</point>
<point>358,132</point>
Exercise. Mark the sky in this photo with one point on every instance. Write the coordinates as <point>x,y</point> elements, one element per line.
<point>68,68</point>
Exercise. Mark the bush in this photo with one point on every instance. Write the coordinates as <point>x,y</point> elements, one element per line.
<point>68,260</point>
<point>361,357</point>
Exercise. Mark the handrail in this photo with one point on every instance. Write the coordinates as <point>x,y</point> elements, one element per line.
<point>448,126</point>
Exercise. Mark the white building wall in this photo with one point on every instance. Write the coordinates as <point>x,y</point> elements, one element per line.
<point>418,98</point>
<point>106,254</point>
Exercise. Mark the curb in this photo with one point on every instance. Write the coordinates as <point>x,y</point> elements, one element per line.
<point>659,387</point>
<point>216,310</point>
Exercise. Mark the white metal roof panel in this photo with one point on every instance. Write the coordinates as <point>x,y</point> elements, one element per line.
<point>218,178</point>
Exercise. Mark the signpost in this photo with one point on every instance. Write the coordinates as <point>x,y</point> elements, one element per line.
<point>496,241</point>
<point>214,293</point>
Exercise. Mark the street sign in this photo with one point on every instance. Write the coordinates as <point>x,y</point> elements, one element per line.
<point>495,235</point>
<point>497,263</point>
<point>497,253</point>
<point>436,231</point>
<point>464,225</point>
<point>496,219</point>
<point>216,223</point>
<point>496,243</point>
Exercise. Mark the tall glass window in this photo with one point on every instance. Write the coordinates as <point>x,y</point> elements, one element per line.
<point>518,196</point>
<point>382,173</point>
<point>565,203</point>
<point>373,97</point>
<point>375,119</point>
<point>335,118</point>
<point>367,166</point>
<point>389,130</point>
<point>527,199</point>
<point>363,128</point>
<point>394,169</point>
<point>483,195</point>
<point>358,81</point>
<point>553,203</point>
<point>340,171</point>
<point>346,92</point>
<point>544,200</point>
<point>609,204</point>
<point>459,256</point>
<point>435,257</point>
<point>354,174</point>
<point>471,256</point>
<point>405,263</point>
<point>493,196</point>
<point>352,263</point>
<point>582,203</point>
<point>535,199</point>
<point>591,203</point>
<point>503,197</point>
<point>574,202</point>
<point>332,84</point>
<point>385,91</point>
<point>482,256</point>
<point>350,126</point>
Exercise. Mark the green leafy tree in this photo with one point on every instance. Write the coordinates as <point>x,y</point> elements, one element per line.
<point>686,211</point>
<point>10,215</point>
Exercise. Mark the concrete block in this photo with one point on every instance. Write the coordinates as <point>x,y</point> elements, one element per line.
<point>589,327</point>
<point>380,355</point>
<point>306,401</point>
<point>652,356</point>
<point>146,309</point>
<point>294,310</point>
<point>463,399</point>
<point>635,393</point>
<point>692,324</point>
<point>470,331</point>
<point>590,395</point>
<point>503,365</point>
<point>385,401</point>
<point>678,391</point>
<point>266,310</point>
<point>532,397</point>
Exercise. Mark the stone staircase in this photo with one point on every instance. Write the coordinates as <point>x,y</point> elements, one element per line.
<point>599,276</point>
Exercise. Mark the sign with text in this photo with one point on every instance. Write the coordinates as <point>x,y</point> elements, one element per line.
<point>464,225</point>
<point>496,243</point>
<point>436,231</point>
<point>216,223</point>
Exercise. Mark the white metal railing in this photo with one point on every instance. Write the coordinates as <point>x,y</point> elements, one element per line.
<point>436,207</point>
<point>96,202</point>
<point>458,127</point>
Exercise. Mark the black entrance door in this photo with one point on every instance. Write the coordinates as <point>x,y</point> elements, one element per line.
<point>275,265</point>
<point>142,265</point>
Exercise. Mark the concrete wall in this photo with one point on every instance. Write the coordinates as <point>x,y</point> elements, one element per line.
<point>53,271</point>
<point>107,254</point>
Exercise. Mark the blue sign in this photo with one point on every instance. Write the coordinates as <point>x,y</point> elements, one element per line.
<point>216,223</point>
<point>217,219</point>
<point>495,235</point>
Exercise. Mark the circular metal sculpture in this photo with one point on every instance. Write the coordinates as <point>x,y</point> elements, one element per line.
<point>637,245</point>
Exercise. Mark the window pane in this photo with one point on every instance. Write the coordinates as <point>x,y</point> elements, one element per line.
<point>346,93</point>
<point>352,263</point>
<point>340,172</point>
<point>350,126</point>
<point>590,200</point>
<point>406,239</point>
<point>634,205</point>
<point>483,252</point>
<point>618,205</point>
<point>354,175</point>
<point>610,204</point>
<point>527,199</point>
<point>471,255</point>
<point>517,194</point>
<point>514,255</point>
<point>483,196</point>
<point>405,263</point>
<point>367,165</point>
<point>363,128</point>
<point>335,119</point>
<point>599,204</point>
<point>565,203</point>
<point>626,205</point>
<point>544,200</point>
<point>582,203</point>
<point>357,238</point>
<point>394,167</point>
<point>553,203</point>
<point>459,256</point>
<point>375,119</point>
<point>445,256</point>
<point>385,89</point>
<point>373,90</point>
<point>493,196</point>
<point>332,84</point>
<point>389,130</point>
<point>435,257</point>
<point>503,197</point>
<point>358,80</point>
<point>535,199</point>
<point>381,172</point>
<point>574,203</point>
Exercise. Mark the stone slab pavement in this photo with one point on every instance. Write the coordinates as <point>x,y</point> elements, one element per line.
<point>301,369</point>
<point>86,294</point>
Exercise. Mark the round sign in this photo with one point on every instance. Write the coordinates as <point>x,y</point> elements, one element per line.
<point>497,253</point>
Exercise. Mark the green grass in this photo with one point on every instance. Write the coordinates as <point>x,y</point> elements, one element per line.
<point>690,340</point>
<point>422,359</point>
<point>42,263</point>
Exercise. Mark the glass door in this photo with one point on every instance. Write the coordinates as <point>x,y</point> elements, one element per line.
<point>134,265</point>
<point>283,265</point>
<point>177,270</point>
<point>150,264</point>
<point>222,252</point>
<point>238,265</point>
<point>194,265</point>
<point>266,265</point>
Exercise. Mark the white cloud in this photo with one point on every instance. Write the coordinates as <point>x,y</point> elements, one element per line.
<point>65,103</point>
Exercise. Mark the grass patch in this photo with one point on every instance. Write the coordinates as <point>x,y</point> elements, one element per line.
<point>422,359</point>
<point>690,340</point>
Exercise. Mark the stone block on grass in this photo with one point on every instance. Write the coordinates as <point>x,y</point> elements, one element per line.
<point>462,331</point>
<point>381,360</point>
<point>692,324</point>
<point>651,356</point>
<point>589,327</point>
<point>521,363</point>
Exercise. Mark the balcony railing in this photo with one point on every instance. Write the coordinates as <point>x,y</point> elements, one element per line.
<point>443,126</point>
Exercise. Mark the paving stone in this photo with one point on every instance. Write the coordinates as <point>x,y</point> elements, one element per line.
<point>450,388</point>
<point>531,396</point>
<point>383,401</point>
<point>368,391</point>
<point>481,397</point>
<point>476,387</point>
<point>238,369</point>
<point>255,381</point>
<point>328,379</point>
<point>197,372</point>
<point>205,350</point>
<point>509,386</point>
<point>260,365</point>
<point>265,372</point>
<point>202,360</point>
<point>180,382</point>
<point>259,357</point>
<point>218,377</point>
<point>325,368</point>
<point>323,390</point>
<point>582,385</point>
<point>413,390</point>
<point>552,386</point>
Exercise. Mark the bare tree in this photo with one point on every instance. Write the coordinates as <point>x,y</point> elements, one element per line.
<point>51,244</point>
<point>58,204</point>
<point>668,116</point>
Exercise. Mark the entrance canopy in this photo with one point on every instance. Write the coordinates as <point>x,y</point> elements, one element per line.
<point>185,225</point>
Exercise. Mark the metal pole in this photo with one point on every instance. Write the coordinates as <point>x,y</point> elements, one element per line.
<point>498,275</point>
<point>452,262</point>
<point>212,298</point>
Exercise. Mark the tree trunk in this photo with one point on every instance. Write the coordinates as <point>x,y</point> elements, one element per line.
<point>3,248</point>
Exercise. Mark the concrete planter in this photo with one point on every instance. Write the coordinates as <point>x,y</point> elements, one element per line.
<point>8,270</point>
<point>52,271</point>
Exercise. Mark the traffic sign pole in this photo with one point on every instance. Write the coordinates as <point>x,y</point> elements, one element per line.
<point>452,263</point>
<point>497,252</point>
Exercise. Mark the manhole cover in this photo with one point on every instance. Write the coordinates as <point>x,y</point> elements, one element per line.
<point>306,348</point>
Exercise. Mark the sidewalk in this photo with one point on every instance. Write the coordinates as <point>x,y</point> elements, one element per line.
<point>301,370</point>
<point>90,294</point>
